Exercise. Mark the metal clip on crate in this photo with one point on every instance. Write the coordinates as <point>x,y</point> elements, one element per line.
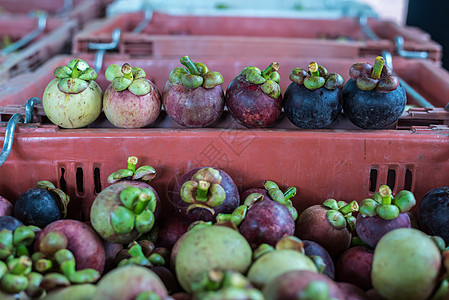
<point>148,15</point>
<point>399,42</point>
<point>11,126</point>
<point>102,47</point>
<point>41,24</point>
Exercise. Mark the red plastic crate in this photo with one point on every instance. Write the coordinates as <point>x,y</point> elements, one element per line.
<point>215,36</point>
<point>82,11</point>
<point>55,39</point>
<point>346,164</point>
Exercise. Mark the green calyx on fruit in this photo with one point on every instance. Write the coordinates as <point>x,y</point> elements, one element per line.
<point>385,205</point>
<point>377,77</point>
<point>224,284</point>
<point>203,190</point>
<point>283,198</point>
<point>268,79</point>
<point>316,77</point>
<point>315,290</point>
<point>63,198</point>
<point>144,253</point>
<point>143,173</point>
<point>339,213</point>
<point>75,76</point>
<point>127,77</point>
<point>137,211</point>
<point>194,75</point>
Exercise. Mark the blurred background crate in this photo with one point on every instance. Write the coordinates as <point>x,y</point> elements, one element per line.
<point>159,34</point>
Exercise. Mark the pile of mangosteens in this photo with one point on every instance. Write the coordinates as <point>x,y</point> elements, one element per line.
<point>211,240</point>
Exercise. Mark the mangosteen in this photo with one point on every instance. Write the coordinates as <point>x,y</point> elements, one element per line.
<point>383,213</point>
<point>406,265</point>
<point>128,282</point>
<point>327,224</point>
<point>433,212</point>
<point>41,205</point>
<point>262,220</point>
<point>354,266</point>
<point>270,262</point>
<point>10,223</point>
<point>373,97</point>
<point>127,208</point>
<point>302,284</point>
<point>208,248</point>
<point>73,99</point>
<point>131,100</point>
<point>77,237</point>
<point>6,208</point>
<point>313,99</point>
<point>193,96</point>
<point>224,284</point>
<point>202,193</point>
<point>254,97</point>
<point>312,248</point>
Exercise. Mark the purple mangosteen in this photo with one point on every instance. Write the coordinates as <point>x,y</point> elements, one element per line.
<point>254,97</point>
<point>193,96</point>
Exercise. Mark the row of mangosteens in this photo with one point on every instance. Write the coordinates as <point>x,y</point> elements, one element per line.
<point>193,96</point>
<point>217,243</point>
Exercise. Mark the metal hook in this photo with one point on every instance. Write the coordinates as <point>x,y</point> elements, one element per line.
<point>363,22</point>
<point>399,42</point>
<point>409,90</point>
<point>41,24</point>
<point>102,47</point>
<point>11,126</point>
<point>147,18</point>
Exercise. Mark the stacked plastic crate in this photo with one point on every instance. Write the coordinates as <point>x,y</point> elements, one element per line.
<point>341,162</point>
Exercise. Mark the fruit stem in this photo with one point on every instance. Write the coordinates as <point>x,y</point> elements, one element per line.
<point>349,208</point>
<point>187,62</point>
<point>273,67</point>
<point>291,192</point>
<point>127,71</point>
<point>132,162</point>
<point>202,190</point>
<point>377,68</point>
<point>142,202</point>
<point>314,69</point>
<point>385,193</point>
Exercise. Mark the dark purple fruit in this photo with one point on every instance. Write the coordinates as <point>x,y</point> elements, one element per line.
<point>6,208</point>
<point>10,223</point>
<point>266,221</point>
<point>296,285</point>
<point>193,96</point>
<point>327,227</point>
<point>218,194</point>
<point>353,292</point>
<point>313,99</point>
<point>354,266</point>
<point>375,100</point>
<point>312,248</point>
<point>433,213</point>
<point>371,229</point>
<point>81,239</point>
<point>37,207</point>
<point>171,228</point>
<point>254,97</point>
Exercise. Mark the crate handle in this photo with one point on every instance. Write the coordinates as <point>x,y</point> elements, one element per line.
<point>68,6</point>
<point>146,19</point>
<point>11,126</point>
<point>41,24</point>
<point>408,89</point>
<point>399,42</point>
<point>366,29</point>
<point>102,47</point>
